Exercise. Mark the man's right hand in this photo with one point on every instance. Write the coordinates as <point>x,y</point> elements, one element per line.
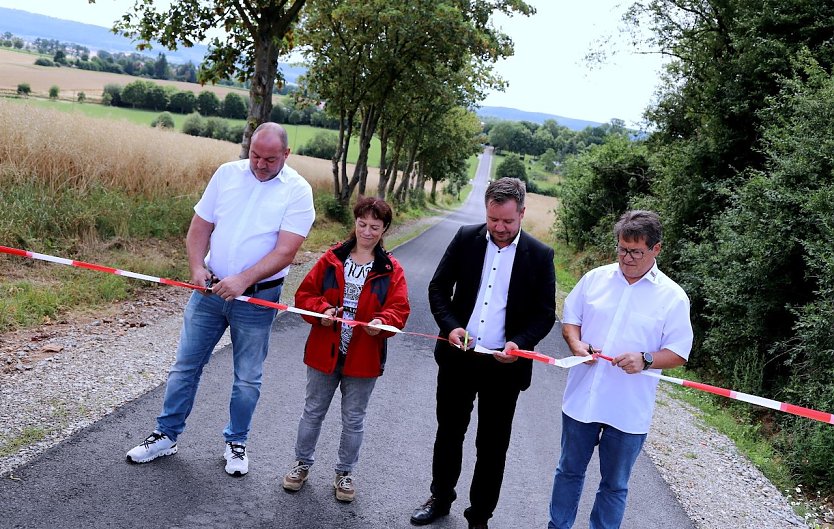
<point>457,338</point>
<point>203,278</point>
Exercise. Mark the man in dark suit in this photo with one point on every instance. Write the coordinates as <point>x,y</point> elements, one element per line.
<point>494,290</point>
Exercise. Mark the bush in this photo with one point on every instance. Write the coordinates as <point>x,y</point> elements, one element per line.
<point>54,91</point>
<point>114,91</point>
<point>43,62</point>
<point>216,128</point>
<point>235,133</point>
<point>163,121</point>
<point>82,97</point>
<point>322,145</point>
<point>194,125</point>
<point>24,89</point>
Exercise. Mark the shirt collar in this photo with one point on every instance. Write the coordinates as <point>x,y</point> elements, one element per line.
<point>514,243</point>
<point>653,275</point>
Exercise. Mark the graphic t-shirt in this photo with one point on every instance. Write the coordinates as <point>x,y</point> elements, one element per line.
<point>355,275</point>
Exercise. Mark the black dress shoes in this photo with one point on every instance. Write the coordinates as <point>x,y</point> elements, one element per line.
<point>429,511</point>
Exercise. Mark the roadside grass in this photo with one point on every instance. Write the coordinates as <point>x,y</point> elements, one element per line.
<point>28,436</point>
<point>298,135</point>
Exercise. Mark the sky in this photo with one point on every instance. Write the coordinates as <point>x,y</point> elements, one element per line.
<point>546,74</point>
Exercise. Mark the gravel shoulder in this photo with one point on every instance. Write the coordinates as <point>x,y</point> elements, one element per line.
<point>58,379</point>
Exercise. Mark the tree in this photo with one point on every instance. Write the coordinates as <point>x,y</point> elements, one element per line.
<point>113,93</point>
<point>256,35</point>
<point>24,89</point>
<point>208,104</point>
<point>161,70</point>
<point>135,93</point>
<point>54,91</point>
<point>365,56</point>
<point>234,107</point>
<point>183,102</point>
<point>512,167</point>
<point>82,97</point>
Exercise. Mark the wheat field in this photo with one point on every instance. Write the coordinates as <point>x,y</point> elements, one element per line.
<point>62,149</point>
<point>17,67</point>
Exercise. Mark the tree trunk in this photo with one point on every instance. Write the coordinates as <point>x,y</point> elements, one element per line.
<point>273,23</point>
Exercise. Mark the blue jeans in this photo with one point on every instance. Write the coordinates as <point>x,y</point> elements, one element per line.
<point>206,319</point>
<point>356,392</point>
<point>617,453</point>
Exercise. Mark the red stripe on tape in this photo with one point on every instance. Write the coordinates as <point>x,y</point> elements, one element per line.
<point>711,389</point>
<point>98,268</point>
<point>15,251</point>
<point>807,412</point>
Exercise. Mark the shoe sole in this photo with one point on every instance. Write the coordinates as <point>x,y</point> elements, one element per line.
<point>237,473</point>
<point>293,487</point>
<point>344,497</point>
<point>427,522</point>
<point>169,452</point>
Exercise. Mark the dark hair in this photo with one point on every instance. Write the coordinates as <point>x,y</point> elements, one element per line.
<point>639,224</point>
<point>376,208</point>
<point>505,189</point>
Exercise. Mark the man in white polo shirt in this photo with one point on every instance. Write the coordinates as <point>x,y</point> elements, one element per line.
<point>632,312</point>
<point>247,228</point>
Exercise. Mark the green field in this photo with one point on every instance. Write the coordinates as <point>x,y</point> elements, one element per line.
<point>298,134</point>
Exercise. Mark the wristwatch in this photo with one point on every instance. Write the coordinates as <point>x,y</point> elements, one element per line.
<point>648,360</point>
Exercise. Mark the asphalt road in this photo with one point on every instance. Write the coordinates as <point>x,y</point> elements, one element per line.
<point>85,482</point>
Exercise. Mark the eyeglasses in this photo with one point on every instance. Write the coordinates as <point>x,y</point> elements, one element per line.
<point>635,254</point>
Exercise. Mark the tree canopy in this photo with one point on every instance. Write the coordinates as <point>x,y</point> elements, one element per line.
<point>256,33</point>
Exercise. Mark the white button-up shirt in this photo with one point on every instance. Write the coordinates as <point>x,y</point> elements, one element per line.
<point>248,214</point>
<point>647,316</point>
<point>486,324</point>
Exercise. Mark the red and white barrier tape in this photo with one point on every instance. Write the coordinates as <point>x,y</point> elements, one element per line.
<point>566,363</point>
<point>744,397</point>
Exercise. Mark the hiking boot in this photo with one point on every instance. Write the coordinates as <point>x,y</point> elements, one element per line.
<point>155,445</point>
<point>343,484</point>
<point>296,477</point>
<point>237,462</point>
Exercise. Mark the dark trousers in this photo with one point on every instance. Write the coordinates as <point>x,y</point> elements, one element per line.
<point>461,377</point>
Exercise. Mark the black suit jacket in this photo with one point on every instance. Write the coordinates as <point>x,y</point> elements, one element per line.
<point>531,299</point>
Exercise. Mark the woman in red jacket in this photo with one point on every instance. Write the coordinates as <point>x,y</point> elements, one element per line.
<point>355,280</point>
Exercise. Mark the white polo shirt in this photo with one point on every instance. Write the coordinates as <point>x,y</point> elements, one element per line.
<point>248,214</point>
<point>650,315</point>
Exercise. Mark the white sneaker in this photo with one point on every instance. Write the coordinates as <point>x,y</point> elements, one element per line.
<point>155,445</point>
<point>237,462</point>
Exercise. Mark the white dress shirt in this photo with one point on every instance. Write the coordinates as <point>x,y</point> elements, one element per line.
<point>248,214</point>
<point>486,324</point>
<point>647,316</point>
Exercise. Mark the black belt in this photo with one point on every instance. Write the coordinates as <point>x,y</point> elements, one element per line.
<point>257,287</point>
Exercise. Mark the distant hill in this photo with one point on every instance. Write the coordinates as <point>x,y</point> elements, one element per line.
<point>512,114</point>
<point>31,26</point>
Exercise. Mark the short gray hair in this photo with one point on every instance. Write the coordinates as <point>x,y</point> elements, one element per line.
<point>505,189</point>
<point>639,224</point>
<point>273,128</point>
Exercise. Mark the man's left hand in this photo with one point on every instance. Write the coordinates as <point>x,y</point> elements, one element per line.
<point>230,287</point>
<point>504,357</point>
<point>631,363</point>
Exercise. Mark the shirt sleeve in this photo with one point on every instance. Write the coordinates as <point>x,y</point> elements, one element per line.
<point>300,213</point>
<point>677,330</point>
<point>572,310</point>
<point>205,208</point>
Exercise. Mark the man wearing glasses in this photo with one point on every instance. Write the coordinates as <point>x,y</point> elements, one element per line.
<point>632,312</point>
